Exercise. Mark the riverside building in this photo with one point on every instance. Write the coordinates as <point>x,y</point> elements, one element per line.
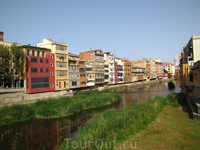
<point>60,50</point>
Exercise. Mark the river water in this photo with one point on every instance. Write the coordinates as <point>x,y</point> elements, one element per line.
<point>43,134</point>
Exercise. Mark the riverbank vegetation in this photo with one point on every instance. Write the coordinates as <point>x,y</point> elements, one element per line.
<point>116,89</point>
<point>113,126</point>
<point>55,108</point>
<point>172,129</point>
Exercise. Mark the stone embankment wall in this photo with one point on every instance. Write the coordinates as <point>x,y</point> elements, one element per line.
<point>21,98</point>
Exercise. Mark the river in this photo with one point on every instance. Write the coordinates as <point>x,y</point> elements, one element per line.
<point>37,134</point>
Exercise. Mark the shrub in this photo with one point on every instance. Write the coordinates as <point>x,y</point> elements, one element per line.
<point>14,113</point>
<point>45,111</point>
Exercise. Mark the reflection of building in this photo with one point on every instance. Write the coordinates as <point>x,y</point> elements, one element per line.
<point>42,137</point>
<point>40,68</point>
<point>128,98</point>
<point>63,130</point>
<point>61,53</point>
<point>16,138</point>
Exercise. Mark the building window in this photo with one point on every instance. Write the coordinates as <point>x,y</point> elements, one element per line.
<point>191,77</point>
<point>61,73</point>
<point>47,70</point>
<point>88,69</point>
<point>27,52</point>
<point>47,61</point>
<point>34,70</point>
<point>41,70</point>
<point>61,48</point>
<point>81,62</point>
<point>38,53</point>
<point>61,64</point>
<point>81,70</point>
<point>33,53</point>
<point>64,84</point>
<point>74,83</point>
<point>40,82</point>
<point>51,55</point>
<point>43,54</point>
<point>83,82</point>
<point>52,85</point>
<point>51,64</point>
<point>51,73</point>
<point>41,60</point>
<point>82,75</point>
<point>106,76</point>
<point>59,84</point>
<point>61,56</point>
<point>34,60</point>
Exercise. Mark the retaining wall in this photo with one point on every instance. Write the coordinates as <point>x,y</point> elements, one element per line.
<point>20,98</point>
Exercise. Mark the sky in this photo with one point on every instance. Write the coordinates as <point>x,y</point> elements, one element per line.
<point>131,29</point>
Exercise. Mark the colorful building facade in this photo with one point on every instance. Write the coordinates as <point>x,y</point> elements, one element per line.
<point>40,69</point>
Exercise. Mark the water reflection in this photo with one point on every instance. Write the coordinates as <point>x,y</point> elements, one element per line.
<point>135,95</point>
<point>38,134</point>
<point>42,134</point>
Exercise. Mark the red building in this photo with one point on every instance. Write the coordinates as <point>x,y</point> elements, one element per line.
<point>40,70</point>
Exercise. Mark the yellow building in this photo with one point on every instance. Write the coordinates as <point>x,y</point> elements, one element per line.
<point>189,55</point>
<point>61,53</point>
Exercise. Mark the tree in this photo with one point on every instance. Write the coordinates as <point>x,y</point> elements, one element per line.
<point>5,63</point>
<point>18,59</point>
<point>5,60</point>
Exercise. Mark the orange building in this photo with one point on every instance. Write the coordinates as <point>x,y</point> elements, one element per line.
<point>127,71</point>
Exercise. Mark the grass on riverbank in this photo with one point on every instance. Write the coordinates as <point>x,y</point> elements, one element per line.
<point>173,129</point>
<point>55,108</point>
<point>117,125</point>
<point>116,89</point>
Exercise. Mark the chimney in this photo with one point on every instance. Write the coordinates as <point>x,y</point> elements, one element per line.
<point>1,36</point>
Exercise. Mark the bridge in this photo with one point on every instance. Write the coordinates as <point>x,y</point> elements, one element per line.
<point>168,74</point>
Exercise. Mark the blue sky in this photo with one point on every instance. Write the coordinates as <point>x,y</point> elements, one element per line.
<point>131,29</point>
